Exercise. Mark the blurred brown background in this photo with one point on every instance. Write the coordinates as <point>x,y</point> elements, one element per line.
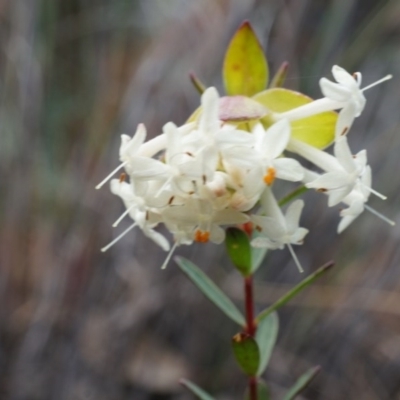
<point>77,324</point>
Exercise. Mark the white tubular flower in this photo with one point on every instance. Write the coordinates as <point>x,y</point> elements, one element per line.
<point>344,171</point>
<point>278,230</point>
<point>128,150</point>
<point>144,218</point>
<point>345,94</point>
<point>182,167</point>
<point>356,199</point>
<point>270,145</point>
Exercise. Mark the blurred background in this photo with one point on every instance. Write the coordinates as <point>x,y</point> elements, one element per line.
<point>76,324</point>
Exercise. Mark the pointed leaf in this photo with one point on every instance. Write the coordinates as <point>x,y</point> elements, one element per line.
<point>262,391</point>
<point>245,69</point>
<point>267,332</point>
<point>239,250</point>
<point>296,290</point>
<point>279,78</point>
<point>200,393</point>
<point>197,83</point>
<point>317,131</point>
<point>246,353</point>
<point>302,383</point>
<point>210,290</point>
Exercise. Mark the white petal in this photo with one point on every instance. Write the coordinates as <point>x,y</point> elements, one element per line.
<point>148,168</point>
<point>343,154</point>
<point>292,215</point>
<point>337,195</point>
<point>271,207</point>
<point>209,121</point>
<point>276,139</point>
<point>131,146</point>
<point>157,238</point>
<point>334,91</point>
<point>345,119</point>
<point>234,138</point>
<point>298,236</point>
<point>343,77</point>
<point>271,228</point>
<point>173,141</point>
<point>262,242</point>
<point>345,222</point>
<point>288,169</point>
<point>361,159</point>
<point>330,180</point>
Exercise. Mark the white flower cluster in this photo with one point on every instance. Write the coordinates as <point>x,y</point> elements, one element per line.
<point>207,174</point>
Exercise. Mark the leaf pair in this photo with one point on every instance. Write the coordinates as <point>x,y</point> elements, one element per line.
<point>262,388</point>
<point>222,301</point>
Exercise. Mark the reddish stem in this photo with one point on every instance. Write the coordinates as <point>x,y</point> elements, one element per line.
<point>250,327</point>
<point>253,388</point>
<point>249,300</point>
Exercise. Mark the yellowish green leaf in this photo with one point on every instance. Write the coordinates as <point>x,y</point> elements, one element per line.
<point>317,131</point>
<point>245,69</point>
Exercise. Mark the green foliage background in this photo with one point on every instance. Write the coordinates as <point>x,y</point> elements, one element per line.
<point>78,324</point>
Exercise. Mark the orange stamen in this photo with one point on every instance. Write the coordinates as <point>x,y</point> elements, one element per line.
<point>269,177</point>
<point>201,236</point>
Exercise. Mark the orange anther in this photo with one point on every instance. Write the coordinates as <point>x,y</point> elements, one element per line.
<point>201,236</point>
<point>269,177</point>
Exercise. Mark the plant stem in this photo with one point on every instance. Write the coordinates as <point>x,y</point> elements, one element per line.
<point>249,302</point>
<point>253,388</point>
<point>251,327</point>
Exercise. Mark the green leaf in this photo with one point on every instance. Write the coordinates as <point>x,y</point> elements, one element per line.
<point>302,383</point>
<point>239,250</point>
<point>210,290</point>
<point>262,391</point>
<point>317,131</point>
<point>296,290</point>
<point>200,393</point>
<point>245,69</point>
<point>267,332</point>
<point>246,353</point>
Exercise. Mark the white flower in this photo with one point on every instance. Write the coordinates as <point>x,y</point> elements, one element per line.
<point>345,95</point>
<point>270,145</point>
<point>128,150</point>
<point>278,230</point>
<point>344,171</point>
<point>356,199</point>
<point>144,218</point>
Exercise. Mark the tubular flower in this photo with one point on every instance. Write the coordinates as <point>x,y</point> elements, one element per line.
<point>345,94</point>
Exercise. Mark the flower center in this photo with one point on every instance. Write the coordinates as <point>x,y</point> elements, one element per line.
<point>269,177</point>
<point>201,236</point>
